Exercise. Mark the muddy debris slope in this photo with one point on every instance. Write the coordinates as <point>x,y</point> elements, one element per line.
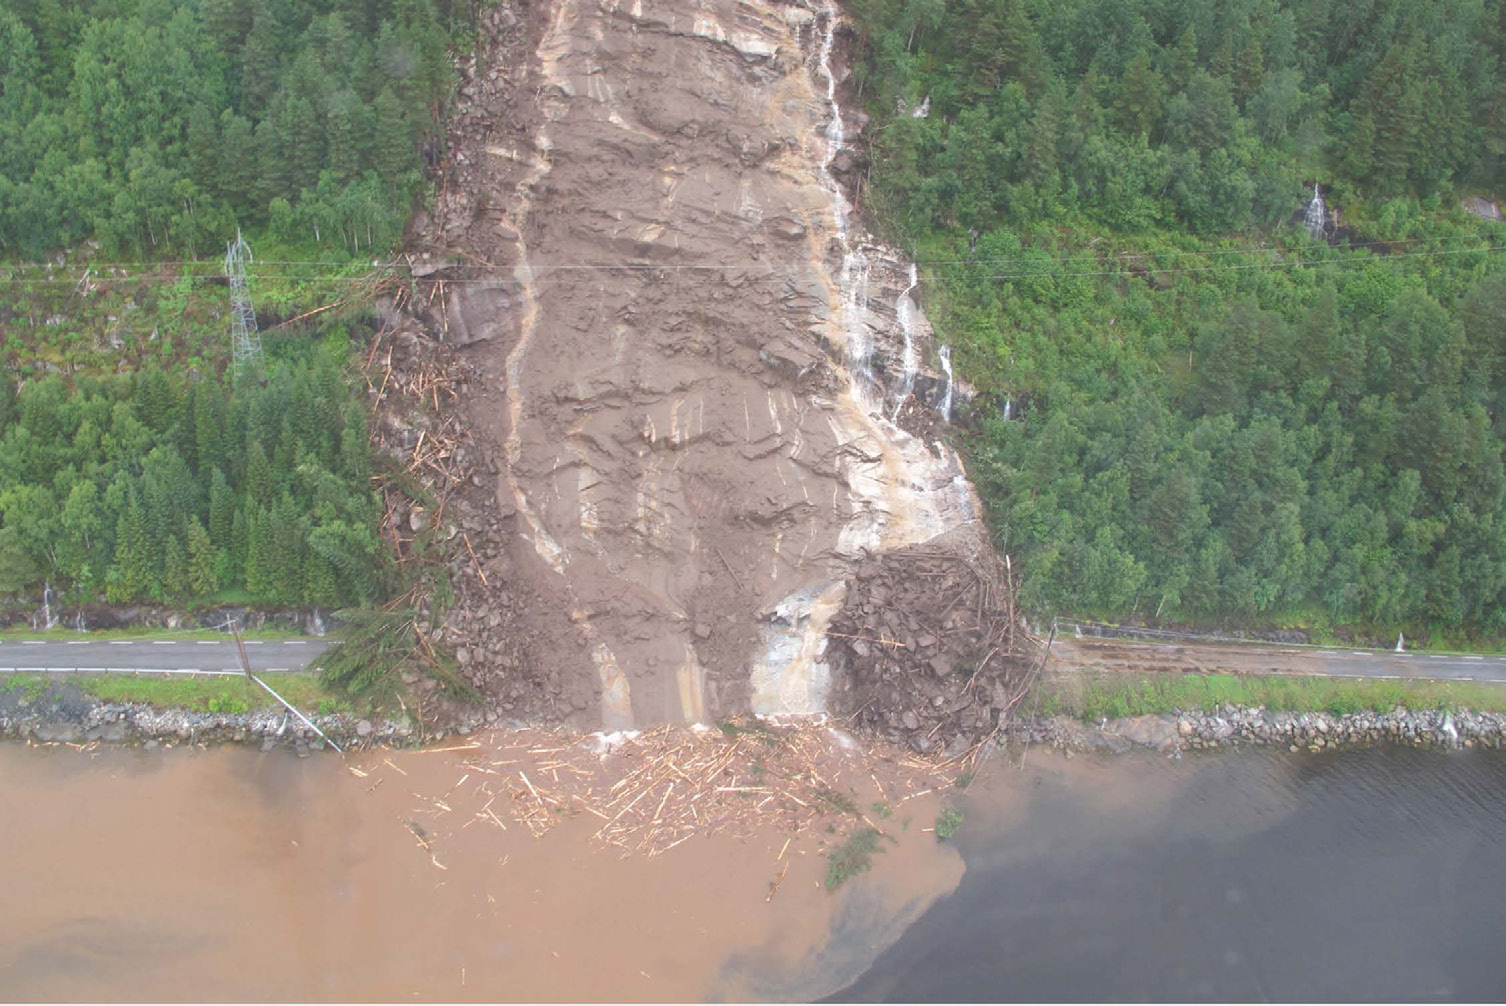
<point>643,255</point>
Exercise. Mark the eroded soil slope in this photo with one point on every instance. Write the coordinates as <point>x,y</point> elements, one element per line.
<point>641,248</point>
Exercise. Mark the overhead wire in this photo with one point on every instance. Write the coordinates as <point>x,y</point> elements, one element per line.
<point>1146,259</point>
<point>217,264</point>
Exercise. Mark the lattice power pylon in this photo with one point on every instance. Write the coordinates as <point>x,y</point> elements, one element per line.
<point>244,341</point>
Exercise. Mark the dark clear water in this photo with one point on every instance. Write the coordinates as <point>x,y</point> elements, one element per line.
<point>1244,876</point>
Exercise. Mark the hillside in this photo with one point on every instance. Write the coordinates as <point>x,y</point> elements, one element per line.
<point>1192,408</point>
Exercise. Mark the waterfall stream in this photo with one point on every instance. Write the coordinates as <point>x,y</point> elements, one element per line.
<point>945,408</point>
<point>904,310</point>
<point>1316,218</point>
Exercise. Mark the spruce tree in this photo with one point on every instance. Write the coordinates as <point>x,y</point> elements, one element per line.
<point>133,559</point>
<point>221,510</point>
<point>261,489</point>
<point>259,59</point>
<point>173,585</point>
<point>392,147</point>
<point>1137,106</point>
<point>201,560</point>
<point>259,571</point>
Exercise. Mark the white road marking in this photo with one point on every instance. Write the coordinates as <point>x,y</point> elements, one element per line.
<point>1327,653</point>
<point>32,642</point>
<point>293,642</point>
<point>1474,658</point>
<point>209,642</point>
<point>1359,653</point>
<point>255,642</point>
<point>120,642</point>
<point>77,642</point>
<point>164,642</point>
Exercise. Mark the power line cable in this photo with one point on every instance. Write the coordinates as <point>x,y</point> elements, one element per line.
<point>769,269</point>
<point>214,264</point>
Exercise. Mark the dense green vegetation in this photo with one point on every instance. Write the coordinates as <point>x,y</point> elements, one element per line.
<point>157,126</point>
<point>132,468</point>
<point>163,486</point>
<point>1215,416</point>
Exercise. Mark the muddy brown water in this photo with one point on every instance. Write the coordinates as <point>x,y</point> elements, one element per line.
<point>228,874</point>
<point>1236,876</point>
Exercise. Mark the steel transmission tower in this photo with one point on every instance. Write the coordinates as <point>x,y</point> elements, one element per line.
<point>245,342</point>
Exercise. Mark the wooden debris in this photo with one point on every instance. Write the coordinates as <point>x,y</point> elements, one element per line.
<point>654,792</point>
<point>774,887</point>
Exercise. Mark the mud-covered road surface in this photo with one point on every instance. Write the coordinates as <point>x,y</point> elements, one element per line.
<point>688,356</point>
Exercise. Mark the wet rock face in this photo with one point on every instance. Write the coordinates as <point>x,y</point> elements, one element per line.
<point>687,468</point>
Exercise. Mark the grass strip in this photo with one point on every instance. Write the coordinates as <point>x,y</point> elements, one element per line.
<point>214,694</point>
<point>1113,696</point>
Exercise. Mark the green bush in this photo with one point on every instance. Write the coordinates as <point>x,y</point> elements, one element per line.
<point>853,857</point>
<point>947,823</point>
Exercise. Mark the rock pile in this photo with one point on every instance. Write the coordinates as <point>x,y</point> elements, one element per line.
<point>1233,726</point>
<point>61,715</point>
<point>932,649</point>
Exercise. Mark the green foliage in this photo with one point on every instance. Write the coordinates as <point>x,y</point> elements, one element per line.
<point>1215,417</point>
<point>209,694</point>
<point>131,487</point>
<point>376,646</point>
<point>841,803</point>
<point>947,823</point>
<point>853,857</point>
<point>157,127</point>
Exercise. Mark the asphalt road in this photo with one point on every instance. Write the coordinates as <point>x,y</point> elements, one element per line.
<point>163,655</point>
<point>1439,666</point>
<point>1136,655</point>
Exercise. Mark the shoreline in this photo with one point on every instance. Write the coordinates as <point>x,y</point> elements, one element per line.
<point>63,715</point>
<point>1239,726</point>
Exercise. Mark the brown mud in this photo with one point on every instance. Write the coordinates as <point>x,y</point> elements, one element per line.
<point>273,878</point>
<point>683,364</point>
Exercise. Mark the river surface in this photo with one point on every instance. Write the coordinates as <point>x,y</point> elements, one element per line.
<point>1367,875</point>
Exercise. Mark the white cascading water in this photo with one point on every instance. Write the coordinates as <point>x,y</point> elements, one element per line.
<point>48,621</point>
<point>904,310</point>
<point>945,408</point>
<point>852,279</point>
<point>1316,218</point>
<point>901,491</point>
